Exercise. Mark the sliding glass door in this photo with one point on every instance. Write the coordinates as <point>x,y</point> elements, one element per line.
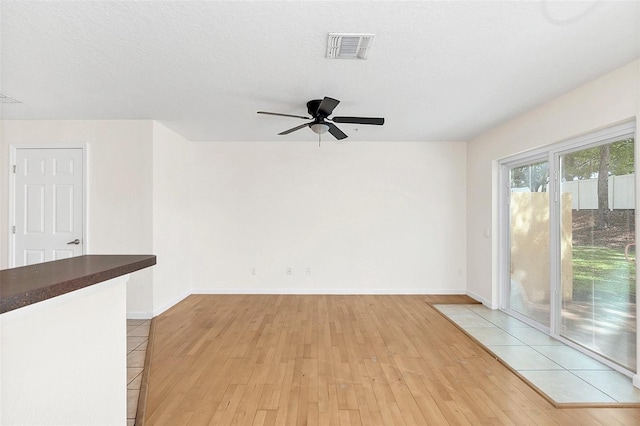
<point>568,229</point>
<point>598,277</point>
<point>529,241</point>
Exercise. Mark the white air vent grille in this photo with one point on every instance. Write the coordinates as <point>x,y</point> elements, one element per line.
<point>349,46</point>
<point>7,100</point>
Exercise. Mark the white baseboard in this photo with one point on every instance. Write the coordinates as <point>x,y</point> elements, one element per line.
<point>171,303</point>
<point>293,291</point>
<point>343,291</point>
<point>139,315</point>
<point>482,300</point>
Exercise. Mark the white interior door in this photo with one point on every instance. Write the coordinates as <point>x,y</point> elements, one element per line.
<point>48,205</point>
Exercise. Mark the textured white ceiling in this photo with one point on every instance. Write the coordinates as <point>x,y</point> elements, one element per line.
<point>438,70</point>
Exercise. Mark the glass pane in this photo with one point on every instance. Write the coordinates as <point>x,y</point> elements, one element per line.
<point>598,270</point>
<point>529,241</point>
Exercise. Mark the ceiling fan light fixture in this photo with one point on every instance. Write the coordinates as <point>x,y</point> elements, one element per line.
<point>319,128</point>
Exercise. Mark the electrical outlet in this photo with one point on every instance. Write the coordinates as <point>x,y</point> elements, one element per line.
<point>289,271</point>
<point>308,271</point>
<point>253,271</point>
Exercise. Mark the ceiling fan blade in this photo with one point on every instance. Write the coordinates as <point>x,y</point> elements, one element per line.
<point>284,115</point>
<point>337,133</point>
<point>302,126</point>
<point>326,106</point>
<point>359,120</point>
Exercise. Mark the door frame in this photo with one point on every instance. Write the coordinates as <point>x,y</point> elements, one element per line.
<point>12,192</point>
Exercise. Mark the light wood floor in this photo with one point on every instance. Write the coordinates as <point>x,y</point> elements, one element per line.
<point>336,360</point>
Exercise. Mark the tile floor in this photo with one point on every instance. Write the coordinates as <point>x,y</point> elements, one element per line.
<point>564,374</point>
<point>137,338</point>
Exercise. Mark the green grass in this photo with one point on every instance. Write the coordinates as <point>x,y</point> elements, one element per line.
<point>604,272</point>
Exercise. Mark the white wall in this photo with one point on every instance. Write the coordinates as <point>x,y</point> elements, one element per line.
<point>364,217</point>
<point>54,371</point>
<point>171,220</point>
<point>120,179</point>
<point>610,99</point>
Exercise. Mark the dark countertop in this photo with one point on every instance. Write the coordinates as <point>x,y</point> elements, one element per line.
<point>26,285</point>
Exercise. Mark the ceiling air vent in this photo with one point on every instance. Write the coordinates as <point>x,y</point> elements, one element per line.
<point>349,46</point>
<point>7,100</point>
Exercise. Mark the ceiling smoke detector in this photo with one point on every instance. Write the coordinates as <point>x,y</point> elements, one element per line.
<point>349,46</point>
<point>7,100</point>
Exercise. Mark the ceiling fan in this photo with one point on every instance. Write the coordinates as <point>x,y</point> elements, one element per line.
<point>320,110</point>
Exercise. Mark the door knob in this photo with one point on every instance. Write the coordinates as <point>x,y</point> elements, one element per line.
<point>76,242</point>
